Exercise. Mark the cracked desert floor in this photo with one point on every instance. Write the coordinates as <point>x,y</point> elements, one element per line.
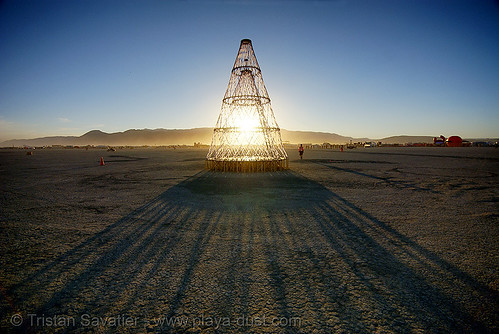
<point>377,240</point>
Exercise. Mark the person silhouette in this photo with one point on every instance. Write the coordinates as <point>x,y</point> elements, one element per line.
<point>301,150</point>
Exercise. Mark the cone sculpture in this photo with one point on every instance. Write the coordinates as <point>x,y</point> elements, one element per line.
<point>246,137</point>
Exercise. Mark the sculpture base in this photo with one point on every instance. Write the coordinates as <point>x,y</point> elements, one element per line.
<point>247,166</point>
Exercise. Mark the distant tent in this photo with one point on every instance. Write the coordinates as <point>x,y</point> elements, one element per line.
<point>454,141</point>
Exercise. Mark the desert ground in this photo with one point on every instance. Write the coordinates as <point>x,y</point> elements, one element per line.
<point>375,240</point>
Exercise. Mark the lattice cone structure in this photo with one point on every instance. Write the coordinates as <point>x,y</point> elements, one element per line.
<point>246,137</point>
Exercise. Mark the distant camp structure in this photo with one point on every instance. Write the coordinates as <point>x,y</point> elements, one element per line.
<point>439,141</point>
<point>452,141</point>
<point>246,137</point>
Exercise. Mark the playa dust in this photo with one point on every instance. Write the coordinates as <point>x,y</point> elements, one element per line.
<point>366,240</point>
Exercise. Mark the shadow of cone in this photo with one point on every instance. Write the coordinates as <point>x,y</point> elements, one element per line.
<point>102,161</point>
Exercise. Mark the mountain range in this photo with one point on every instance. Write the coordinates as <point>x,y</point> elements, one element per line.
<point>158,137</point>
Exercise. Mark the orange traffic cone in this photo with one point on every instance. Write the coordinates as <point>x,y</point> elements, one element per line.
<point>102,161</point>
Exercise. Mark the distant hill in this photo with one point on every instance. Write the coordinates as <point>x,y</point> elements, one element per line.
<point>129,137</point>
<point>310,137</point>
<point>165,137</point>
<point>159,137</point>
<point>406,139</point>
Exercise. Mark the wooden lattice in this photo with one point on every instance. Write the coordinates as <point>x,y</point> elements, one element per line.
<point>246,137</point>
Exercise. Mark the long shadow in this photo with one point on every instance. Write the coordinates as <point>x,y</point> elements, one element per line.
<point>202,241</point>
<point>62,286</point>
<point>278,246</point>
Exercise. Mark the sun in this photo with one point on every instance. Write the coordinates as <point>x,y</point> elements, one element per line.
<point>247,124</point>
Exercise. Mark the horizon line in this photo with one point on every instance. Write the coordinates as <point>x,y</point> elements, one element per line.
<point>208,127</point>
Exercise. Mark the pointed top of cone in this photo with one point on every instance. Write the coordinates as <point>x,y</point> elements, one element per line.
<point>246,69</point>
<point>246,56</point>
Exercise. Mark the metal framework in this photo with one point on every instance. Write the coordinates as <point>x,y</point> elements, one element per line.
<point>246,137</point>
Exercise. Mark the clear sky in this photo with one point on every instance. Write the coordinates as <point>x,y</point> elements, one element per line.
<point>357,68</point>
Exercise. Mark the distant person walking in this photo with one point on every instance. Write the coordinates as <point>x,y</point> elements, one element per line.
<point>301,150</point>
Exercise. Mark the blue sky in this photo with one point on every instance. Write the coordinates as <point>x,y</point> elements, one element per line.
<point>357,68</point>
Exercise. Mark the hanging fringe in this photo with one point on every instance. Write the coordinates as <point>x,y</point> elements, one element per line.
<point>247,166</point>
